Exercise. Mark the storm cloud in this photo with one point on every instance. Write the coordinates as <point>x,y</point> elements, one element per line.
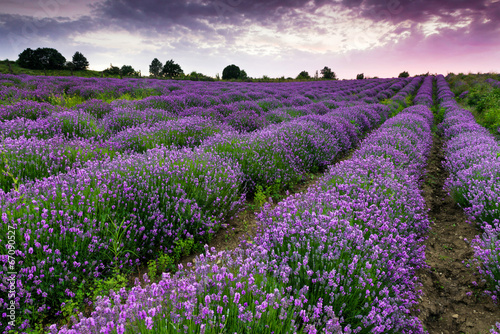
<point>241,29</point>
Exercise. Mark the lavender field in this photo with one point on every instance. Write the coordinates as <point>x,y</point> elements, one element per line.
<point>101,177</point>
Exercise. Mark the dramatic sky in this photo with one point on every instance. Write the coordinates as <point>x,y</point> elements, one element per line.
<point>264,37</point>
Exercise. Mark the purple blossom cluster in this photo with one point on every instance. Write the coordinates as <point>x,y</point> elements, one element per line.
<point>473,160</point>
<point>69,225</point>
<point>424,94</point>
<point>67,123</point>
<point>26,109</point>
<point>183,132</point>
<point>340,258</point>
<point>32,158</point>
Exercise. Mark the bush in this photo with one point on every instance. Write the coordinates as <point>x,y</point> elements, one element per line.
<point>404,74</point>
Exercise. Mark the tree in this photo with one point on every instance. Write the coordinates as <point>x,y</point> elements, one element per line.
<point>80,62</point>
<point>127,71</point>
<point>243,75</point>
<point>360,76</point>
<point>27,59</point>
<point>41,59</point>
<point>231,72</point>
<point>404,74</point>
<point>303,75</point>
<point>155,68</point>
<point>112,70</point>
<point>50,59</point>
<point>327,73</point>
<point>171,69</point>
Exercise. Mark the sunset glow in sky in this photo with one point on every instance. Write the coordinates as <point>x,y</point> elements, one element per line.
<point>263,37</point>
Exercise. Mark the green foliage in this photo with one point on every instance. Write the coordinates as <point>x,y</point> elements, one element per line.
<point>41,59</point>
<point>404,74</point>
<point>155,68</point>
<point>360,76</point>
<point>482,99</point>
<point>166,262</point>
<point>303,75</point>
<point>127,71</point>
<point>439,115</point>
<point>112,70</point>
<point>243,75</point>
<point>116,233</point>
<point>171,69</point>
<point>80,63</point>
<point>262,194</point>
<point>10,67</point>
<point>102,287</point>
<point>231,72</point>
<point>327,73</point>
<point>491,118</point>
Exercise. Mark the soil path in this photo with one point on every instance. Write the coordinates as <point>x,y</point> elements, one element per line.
<point>451,302</point>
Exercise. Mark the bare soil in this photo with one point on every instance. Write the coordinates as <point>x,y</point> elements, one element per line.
<point>452,301</point>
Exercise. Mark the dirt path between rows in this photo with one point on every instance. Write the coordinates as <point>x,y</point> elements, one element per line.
<point>451,302</point>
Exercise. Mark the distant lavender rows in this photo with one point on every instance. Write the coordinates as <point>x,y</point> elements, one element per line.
<point>24,87</point>
<point>340,258</point>
<point>98,130</point>
<point>473,160</point>
<point>67,223</point>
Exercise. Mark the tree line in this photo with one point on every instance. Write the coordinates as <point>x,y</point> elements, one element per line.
<point>51,59</point>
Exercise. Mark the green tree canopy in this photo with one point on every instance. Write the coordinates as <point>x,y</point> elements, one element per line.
<point>231,72</point>
<point>127,70</point>
<point>155,68</point>
<point>243,75</point>
<point>404,74</point>
<point>112,70</point>
<point>360,76</point>
<point>327,73</point>
<point>171,69</point>
<point>80,62</point>
<point>41,59</point>
<point>303,75</point>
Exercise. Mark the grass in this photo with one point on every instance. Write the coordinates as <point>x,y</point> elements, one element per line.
<point>16,69</point>
<point>481,98</point>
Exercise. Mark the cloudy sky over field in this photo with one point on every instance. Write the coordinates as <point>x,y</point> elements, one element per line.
<point>264,37</point>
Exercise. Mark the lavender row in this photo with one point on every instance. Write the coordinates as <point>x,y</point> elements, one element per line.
<point>473,161</point>
<point>337,259</point>
<point>33,158</point>
<point>403,94</point>
<point>424,94</point>
<point>82,123</point>
<point>281,155</point>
